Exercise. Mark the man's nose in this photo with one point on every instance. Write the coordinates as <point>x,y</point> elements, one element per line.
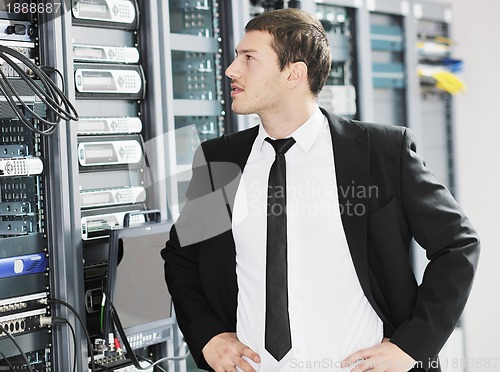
<point>232,70</point>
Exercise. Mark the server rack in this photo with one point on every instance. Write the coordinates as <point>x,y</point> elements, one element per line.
<point>132,147</point>
<point>26,252</point>
<point>199,105</point>
<point>433,37</point>
<point>109,85</point>
<point>339,94</point>
<point>435,50</point>
<point>388,67</point>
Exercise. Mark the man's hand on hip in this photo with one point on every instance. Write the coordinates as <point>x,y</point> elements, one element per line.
<point>384,357</point>
<point>224,352</point>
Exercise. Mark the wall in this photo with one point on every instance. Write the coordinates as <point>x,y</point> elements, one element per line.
<point>476,28</point>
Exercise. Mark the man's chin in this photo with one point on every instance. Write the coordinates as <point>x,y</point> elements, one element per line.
<point>242,110</point>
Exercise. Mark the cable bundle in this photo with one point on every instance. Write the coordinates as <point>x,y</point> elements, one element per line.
<point>54,99</point>
<point>130,352</point>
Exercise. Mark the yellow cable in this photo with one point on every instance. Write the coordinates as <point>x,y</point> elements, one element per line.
<point>448,82</point>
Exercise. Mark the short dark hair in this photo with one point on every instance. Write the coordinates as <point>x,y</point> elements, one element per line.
<point>297,36</point>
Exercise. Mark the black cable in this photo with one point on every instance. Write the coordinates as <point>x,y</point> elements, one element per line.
<point>50,95</point>
<point>8,91</point>
<point>128,348</point>
<point>48,69</point>
<point>12,92</point>
<point>52,88</point>
<point>73,310</point>
<point>47,96</point>
<point>5,91</point>
<point>56,320</point>
<point>5,358</point>
<point>118,323</point>
<point>23,354</point>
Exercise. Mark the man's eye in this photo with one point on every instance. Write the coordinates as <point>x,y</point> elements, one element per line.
<point>249,57</point>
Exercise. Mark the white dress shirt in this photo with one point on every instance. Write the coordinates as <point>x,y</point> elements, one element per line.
<point>330,317</point>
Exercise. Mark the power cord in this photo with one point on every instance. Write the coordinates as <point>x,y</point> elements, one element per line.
<point>151,362</point>
<point>73,310</point>
<point>48,69</point>
<point>53,98</point>
<point>130,351</point>
<point>52,94</point>
<point>23,354</point>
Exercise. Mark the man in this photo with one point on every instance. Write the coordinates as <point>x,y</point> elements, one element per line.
<point>355,194</point>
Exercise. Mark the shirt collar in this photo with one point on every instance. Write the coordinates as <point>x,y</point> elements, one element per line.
<point>304,136</point>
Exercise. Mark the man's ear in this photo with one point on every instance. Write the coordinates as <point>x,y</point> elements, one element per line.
<point>297,74</point>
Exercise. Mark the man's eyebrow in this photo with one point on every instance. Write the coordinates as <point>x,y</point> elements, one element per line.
<point>245,51</point>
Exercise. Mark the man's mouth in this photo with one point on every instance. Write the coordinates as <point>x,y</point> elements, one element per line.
<point>236,89</point>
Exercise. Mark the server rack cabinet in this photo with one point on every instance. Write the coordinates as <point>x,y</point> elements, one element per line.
<point>120,147</point>
<point>433,38</point>
<point>435,53</point>
<point>110,86</point>
<point>93,53</point>
<point>197,92</point>
<point>58,38</point>
<point>388,65</point>
<point>148,88</point>
<point>27,250</point>
<point>339,94</point>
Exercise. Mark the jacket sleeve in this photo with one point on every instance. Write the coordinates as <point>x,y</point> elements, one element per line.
<point>196,320</point>
<point>452,246</point>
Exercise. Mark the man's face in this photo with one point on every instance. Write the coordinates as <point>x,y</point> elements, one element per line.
<point>257,84</point>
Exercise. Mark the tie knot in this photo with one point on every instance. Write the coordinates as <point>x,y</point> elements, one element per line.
<point>281,146</point>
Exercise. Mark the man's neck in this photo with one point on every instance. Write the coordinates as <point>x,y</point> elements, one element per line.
<point>281,123</point>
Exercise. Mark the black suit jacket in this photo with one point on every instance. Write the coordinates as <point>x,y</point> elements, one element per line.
<point>397,198</point>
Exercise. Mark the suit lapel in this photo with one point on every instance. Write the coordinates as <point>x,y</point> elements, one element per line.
<point>226,161</point>
<point>351,149</point>
<point>232,160</point>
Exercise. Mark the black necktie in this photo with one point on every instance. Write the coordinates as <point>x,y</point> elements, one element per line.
<point>278,340</point>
